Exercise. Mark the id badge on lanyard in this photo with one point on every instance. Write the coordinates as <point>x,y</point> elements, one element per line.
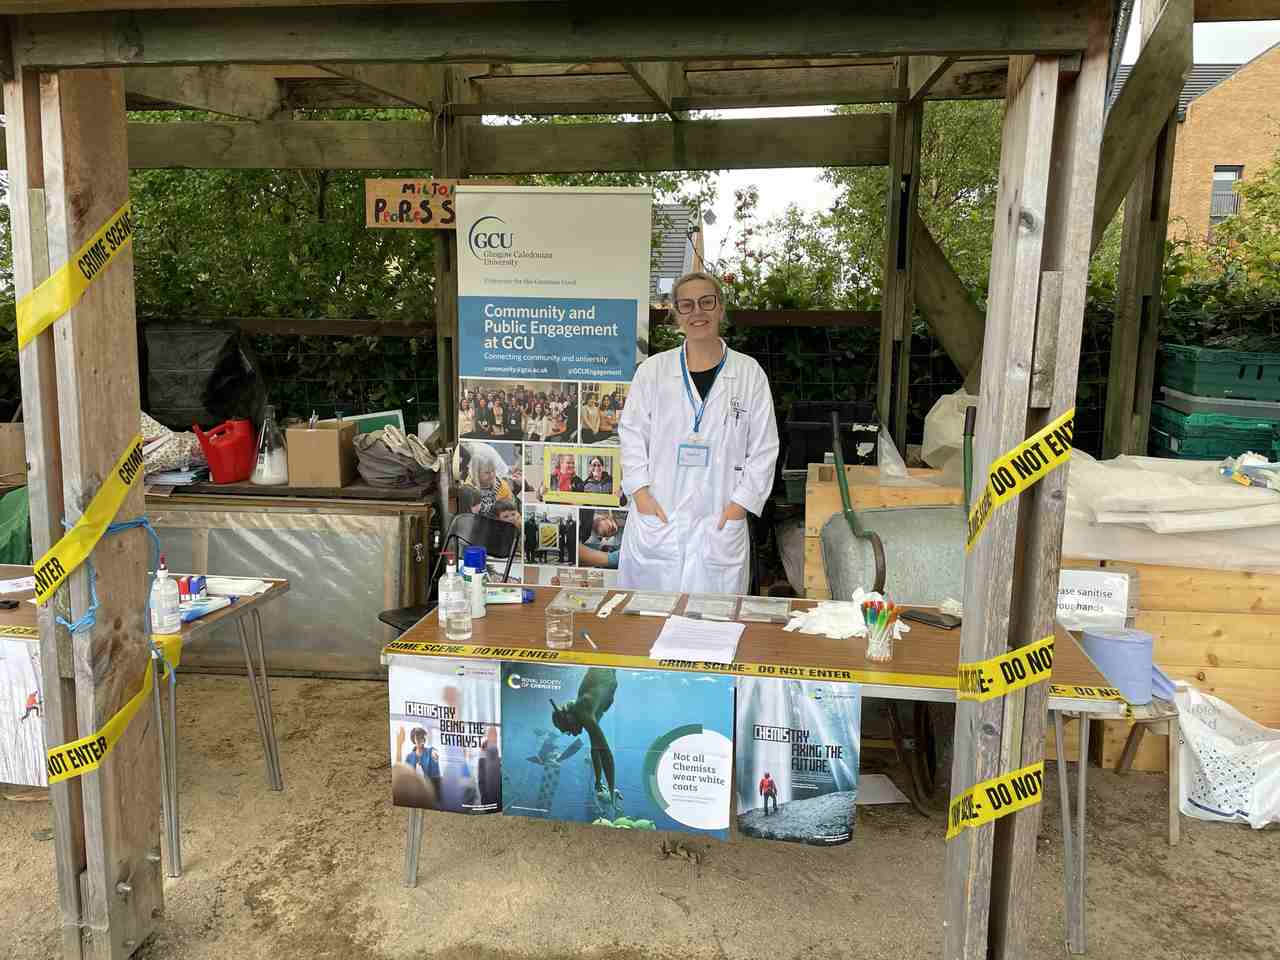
<point>695,452</point>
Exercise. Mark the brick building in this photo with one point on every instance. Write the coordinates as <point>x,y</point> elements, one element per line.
<point>1229,126</point>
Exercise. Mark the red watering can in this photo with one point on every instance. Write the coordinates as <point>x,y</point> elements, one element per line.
<point>229,448</point>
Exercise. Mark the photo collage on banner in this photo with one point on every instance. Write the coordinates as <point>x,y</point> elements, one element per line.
<point>634,749</point>
<point>446,735</point>
<point>22,755</point>
<point>553,312</point>
<point>797,751</point>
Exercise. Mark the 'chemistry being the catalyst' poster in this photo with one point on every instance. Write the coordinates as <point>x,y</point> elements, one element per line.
<point>639,749</point>
<point>446,736</point>
<point>797,759</point>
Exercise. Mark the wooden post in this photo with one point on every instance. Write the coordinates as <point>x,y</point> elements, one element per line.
<point>86,181</point>
<point>895,296</point>
<point>44,481</point>
<point>1039,269</point>
<point>1136,331</point>
<point>448,85</point>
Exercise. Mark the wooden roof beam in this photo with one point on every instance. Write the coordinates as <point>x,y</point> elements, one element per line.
<point>408,83</point>
<point>248,93</point>
<point>923,73</point>
<point>859,140</point>
<point>1141,109</point>
<point>662,82</point>
<point>544,32</point>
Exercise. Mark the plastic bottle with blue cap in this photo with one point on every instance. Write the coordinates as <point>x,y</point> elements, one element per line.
<point>474,572</point>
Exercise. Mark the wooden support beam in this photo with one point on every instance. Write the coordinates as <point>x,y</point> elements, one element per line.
<point>895,283</point>
<point>544,32</point>
<point>946,305</point>
<point>44,484</point>
<point>86,181</point>
<point>244,92</point>
<point>1208,11</point>
<point>409,83</point>
<point>1140,285</point>
<point>1140,110</point>
<point>855,141</point>
<point>990,571</point>
<point>448,157</point>
<point>923,73</point>
<point>662,82</point>
<point>1042,509</point>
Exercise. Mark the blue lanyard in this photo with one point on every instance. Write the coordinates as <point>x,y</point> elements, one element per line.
<point>698,411</point>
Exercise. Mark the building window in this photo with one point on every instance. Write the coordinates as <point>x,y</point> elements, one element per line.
<point>1224,201</point>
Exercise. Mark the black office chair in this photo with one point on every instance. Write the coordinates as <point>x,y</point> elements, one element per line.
<point>498,538</point>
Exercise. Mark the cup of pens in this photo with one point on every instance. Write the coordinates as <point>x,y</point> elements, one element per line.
<point>880,617</point>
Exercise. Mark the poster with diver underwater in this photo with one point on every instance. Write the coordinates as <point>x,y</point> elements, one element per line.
<point>635,749</point>
<point>798,743</point>
<point>445,741</point>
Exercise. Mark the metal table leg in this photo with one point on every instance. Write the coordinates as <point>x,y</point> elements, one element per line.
<point>1064,801</point>
<point>259,708</point>
<point>1077,935</point>
<point>412,847</point>
<point>265,680</point>
<point>166,729</point>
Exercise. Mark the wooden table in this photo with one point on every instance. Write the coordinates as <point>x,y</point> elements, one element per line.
<point>923,668</point>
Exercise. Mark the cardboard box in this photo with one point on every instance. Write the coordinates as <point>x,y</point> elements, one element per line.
<point>13,454</point>
<point>323,457</point>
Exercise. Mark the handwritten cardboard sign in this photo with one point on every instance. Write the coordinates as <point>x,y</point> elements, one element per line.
<point>410,204</point>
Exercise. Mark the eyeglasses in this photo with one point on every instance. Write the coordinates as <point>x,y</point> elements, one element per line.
<point>706,302</point>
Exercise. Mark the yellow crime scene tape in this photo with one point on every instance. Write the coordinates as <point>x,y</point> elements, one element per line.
<point>63,290</point>
<point>1021,468</point>
<point>1075,692</point>
<point>78,757</point>
<point>63,557</point>
<point>996,676</point>
<point>594,659</point>
<point>995,798</point>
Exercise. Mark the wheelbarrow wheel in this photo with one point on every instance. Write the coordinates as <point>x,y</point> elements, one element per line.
<point>935,730</point>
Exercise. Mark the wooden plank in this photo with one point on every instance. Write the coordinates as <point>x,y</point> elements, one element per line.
<point>1068,218</point>
<point>247,93</point>
<point>1197,589</point>
<point>980,750</point>
<point>39,381</point>
<point>1152,755</point>
<point>1186,641</point>
<point>860,140</point>
<point>971,80</point>
<point>662,82</point>
<point>946,304</point>
<point>896,293</point>
<point>1140,287</point>
<point>86,173</point>
<point>408,83</point>
<point>545,32</point>
<point>28,7</point>
<point>923,73</point>
<point>1140,110</point>
<point>1208,11</point>
<point>822,494</point>
<point>450,158</point>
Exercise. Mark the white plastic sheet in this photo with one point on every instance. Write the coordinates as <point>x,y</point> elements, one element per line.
<point>1229,765</point>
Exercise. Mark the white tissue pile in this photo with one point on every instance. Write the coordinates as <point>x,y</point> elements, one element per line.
<point>840,619</point>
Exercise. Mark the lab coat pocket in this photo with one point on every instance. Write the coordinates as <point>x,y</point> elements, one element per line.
<point>655,540</point>
<point>728,547</point>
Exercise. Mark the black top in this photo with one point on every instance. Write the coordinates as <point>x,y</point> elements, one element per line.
<point>704,380</point>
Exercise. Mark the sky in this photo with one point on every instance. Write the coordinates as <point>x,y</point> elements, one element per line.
<point>1211,43</point>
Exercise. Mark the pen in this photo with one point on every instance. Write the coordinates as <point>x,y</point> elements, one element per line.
<point>587,637</point>
<point>651,613</point>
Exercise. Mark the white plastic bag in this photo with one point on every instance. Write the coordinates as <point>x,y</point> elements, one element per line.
<point>1229,766</point>
<point>944,428</point>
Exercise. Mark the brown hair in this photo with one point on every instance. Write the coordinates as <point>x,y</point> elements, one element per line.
<point>688,278</point>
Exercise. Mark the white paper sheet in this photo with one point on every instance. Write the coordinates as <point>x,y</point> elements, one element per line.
<point>704,641</point>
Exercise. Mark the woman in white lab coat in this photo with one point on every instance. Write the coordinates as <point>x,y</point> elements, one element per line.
<point>699,447</point>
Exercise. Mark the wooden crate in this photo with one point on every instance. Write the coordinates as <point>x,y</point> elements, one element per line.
<point>1218,630</point>
<point>822,500</point>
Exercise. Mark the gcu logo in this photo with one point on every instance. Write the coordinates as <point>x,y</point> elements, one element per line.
<point>485,236</point>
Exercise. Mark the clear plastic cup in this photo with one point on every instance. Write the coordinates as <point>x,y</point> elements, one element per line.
<point>559,622</point>
<point>880,645</point>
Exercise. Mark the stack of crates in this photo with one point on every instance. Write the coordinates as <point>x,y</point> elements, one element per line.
<point>1216,404</point>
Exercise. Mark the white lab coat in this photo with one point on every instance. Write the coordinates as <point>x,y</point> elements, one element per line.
<point>688,554</point>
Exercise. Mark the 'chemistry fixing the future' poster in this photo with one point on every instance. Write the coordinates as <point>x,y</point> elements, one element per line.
<point>797,759</point>
<point>638,749</point>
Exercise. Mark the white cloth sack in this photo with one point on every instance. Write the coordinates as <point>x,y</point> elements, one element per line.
<point>1229,766</point>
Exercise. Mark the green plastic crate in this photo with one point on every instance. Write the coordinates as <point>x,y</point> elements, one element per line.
<point>1205,436</point>
<point>1220,373</point>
